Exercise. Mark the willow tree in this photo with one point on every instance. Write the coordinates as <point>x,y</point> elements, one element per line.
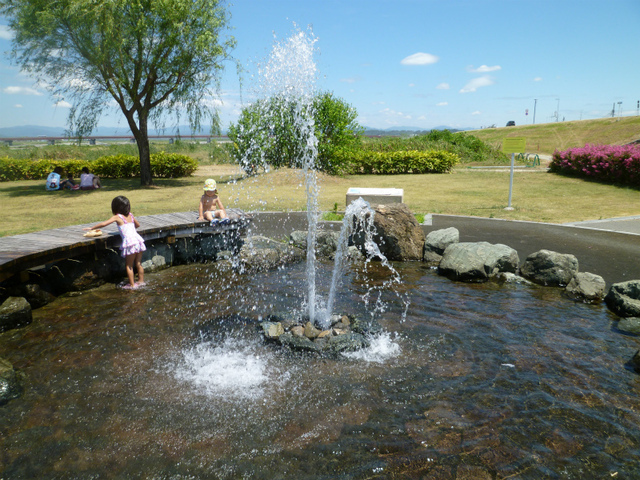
<point>156,59</point>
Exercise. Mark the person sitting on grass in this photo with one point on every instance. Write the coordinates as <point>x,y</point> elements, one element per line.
<point>89,181</point>
<point>54,181</point>
<point>211,208</point>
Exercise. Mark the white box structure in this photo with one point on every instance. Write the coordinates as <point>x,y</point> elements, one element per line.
<point>376,196</point>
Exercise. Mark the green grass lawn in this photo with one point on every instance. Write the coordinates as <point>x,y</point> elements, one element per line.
<point>537,196</point>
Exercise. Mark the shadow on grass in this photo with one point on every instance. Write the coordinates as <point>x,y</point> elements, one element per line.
<point>36,189</point>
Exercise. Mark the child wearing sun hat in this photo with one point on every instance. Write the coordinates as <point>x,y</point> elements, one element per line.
<point>211,208</point>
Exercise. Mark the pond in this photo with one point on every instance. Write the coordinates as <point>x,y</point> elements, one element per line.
<point>175,381</point>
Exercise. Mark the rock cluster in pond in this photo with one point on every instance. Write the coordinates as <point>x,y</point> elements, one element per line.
<point>346,333</point>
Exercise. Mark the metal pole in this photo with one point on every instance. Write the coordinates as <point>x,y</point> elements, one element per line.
<point>509,207</point>
<point>535,102</point>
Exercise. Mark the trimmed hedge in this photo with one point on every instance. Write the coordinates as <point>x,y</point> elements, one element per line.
<point>163,165</point>
<point>397,162</point>
<point>606,163</point>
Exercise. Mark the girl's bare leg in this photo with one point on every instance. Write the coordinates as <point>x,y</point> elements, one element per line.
<point>208,216</point>
<point>139,267</point>
<point>129,260</point>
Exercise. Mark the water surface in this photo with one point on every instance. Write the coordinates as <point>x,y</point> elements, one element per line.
<point>479,381</point>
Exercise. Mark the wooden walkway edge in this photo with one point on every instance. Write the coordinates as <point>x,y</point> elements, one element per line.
<point>21,252</point>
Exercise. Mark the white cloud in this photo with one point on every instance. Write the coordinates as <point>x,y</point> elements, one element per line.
<point>419,58</point>
<point>443,86</point>
<point>477,112</point>
<point>6,33</point>
<point>22,91</point>
<point>476,83</point>
<point>537,79</point>
<point>411,85</point>
<point>62,104</point>
<point>17,105</point>
<point>442,104</point>
<point>483,69</point>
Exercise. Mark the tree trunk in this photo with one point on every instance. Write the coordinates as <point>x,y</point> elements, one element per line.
<point>144,152</point>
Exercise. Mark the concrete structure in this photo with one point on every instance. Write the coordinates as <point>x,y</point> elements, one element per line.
<point>376,196</point>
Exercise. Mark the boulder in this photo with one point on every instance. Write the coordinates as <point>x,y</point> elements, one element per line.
<point>550,268</point>
<point>398,234</point>
<point>630,325</point>
<point>10,386</point>
<point>477,262</point>
<point>438,240</point>
<point>635,362</point>
<point>261,253</point>
<point>15,312</point>
<point>588,287</point>
<point>623,298</point>
<point>326,242</point>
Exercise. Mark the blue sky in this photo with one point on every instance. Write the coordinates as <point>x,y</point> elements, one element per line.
<point>422,63</point>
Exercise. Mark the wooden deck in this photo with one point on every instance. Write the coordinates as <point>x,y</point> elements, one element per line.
<point>21,252</point>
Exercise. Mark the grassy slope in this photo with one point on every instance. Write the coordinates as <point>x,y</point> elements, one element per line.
<point>547,137</point>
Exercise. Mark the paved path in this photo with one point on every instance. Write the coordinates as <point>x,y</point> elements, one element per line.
<point>621,224</point>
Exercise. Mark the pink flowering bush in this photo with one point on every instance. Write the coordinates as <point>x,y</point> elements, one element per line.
<point>609,163</point>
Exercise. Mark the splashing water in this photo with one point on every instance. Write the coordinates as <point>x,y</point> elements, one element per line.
<point>231,369</point>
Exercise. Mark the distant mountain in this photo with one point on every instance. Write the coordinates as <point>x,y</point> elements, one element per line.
<point>38,131</point>
<point>407,130</point>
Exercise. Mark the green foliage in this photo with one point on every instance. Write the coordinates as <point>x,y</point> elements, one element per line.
<point>163,165</point>
<point>172,165</point>
<point>397,162</point>
<point>469,148</point>
<point>153,58</point>
<point>267,133</point>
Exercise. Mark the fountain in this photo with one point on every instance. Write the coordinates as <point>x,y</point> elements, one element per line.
<point>478,381</point>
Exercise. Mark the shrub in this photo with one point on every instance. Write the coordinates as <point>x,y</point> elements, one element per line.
<point>117,166</point>
<point>172,165</point>
<point>469,148</point>
<point>163,165</point>
<point>608,163</point>
<point>397,162</point>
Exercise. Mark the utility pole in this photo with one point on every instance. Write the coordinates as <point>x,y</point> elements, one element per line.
<point>619,109</point>
<point>535,102</point>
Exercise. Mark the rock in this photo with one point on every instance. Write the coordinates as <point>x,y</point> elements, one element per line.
<point>272,330</point>
<point>298,343</point>
<point>587,287</point>
<point>432,258</point>
<point>310,331</point>
<point>623,298</point>
<point>261,253</point>
<point>326,242</point>
<point>438,240</point>
<point>297,331</point>
<point>10,386</point>
<point>635,362</point>
<point>325,333</point>
<point>477,262</point>
<point>15,312</point>
<point>157,262</point>
<point>550,268</point>
<point>630,325</point>
<point>508,277</point>
<point>348,342</point>
<point>398,234</point>
<point>33,293</point>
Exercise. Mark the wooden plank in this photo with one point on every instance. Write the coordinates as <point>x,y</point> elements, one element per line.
<point>27,249</point>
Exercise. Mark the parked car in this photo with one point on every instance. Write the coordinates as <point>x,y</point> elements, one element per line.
<point>511,123</point>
